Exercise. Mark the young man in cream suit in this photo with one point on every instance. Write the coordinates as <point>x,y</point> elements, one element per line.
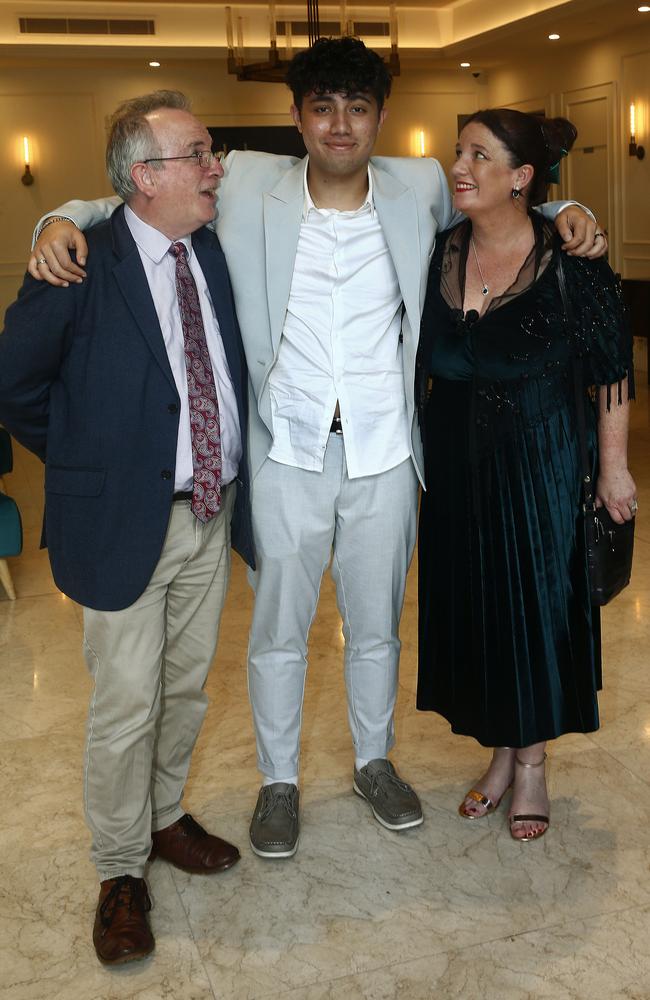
<point>328,258</point>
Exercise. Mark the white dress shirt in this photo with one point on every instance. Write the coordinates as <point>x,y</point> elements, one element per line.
<point>341,341</point>
<point>160,269</point>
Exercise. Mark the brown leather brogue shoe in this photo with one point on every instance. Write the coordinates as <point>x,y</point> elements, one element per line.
<point>188,846</point>
<point>121,932</point>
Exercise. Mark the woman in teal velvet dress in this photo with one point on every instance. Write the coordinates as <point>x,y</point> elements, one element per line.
<point>509,644</point>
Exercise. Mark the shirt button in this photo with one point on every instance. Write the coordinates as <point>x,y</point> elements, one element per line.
<point>172,408</point>
<point>165,474</point>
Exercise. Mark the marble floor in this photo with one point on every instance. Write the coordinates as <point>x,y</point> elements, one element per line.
<point>450,909</point>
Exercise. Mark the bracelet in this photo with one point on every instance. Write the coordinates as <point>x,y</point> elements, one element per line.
<point>53,218</point>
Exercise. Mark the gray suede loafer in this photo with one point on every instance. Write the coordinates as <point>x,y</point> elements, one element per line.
<point>275,826</point>
<point>393,801</point>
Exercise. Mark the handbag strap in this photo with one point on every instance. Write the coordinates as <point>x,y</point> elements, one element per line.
<point>580,401</point>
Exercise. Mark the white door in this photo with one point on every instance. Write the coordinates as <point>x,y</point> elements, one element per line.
<point>588,173</point>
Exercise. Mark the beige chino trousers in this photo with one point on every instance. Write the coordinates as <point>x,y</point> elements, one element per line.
<point>149,663</point>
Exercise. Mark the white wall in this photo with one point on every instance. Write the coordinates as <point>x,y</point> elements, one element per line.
<point>557,79</point>
<point>63,107</point>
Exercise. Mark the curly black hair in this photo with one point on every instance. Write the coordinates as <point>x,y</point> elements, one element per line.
<point>338,65</point>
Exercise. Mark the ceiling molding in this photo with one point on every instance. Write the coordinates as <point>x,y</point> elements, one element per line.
<point>442,32</point>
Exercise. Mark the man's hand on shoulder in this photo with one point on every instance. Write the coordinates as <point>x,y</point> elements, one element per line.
<point>50,259</point>
<point>582,235</point>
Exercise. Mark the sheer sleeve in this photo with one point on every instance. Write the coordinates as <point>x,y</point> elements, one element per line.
<point>601,326</point>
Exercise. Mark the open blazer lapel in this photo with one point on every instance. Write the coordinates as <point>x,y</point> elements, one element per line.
<point>396,207</point>
<point>132,281</point>
<point>213,264</point>
<point>283,206</point>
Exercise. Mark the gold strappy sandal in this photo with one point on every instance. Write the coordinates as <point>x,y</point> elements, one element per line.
<point>529,817</point>
<point>481,800</point>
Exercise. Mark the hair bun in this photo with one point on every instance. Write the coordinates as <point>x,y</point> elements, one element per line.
<point>559,136</point>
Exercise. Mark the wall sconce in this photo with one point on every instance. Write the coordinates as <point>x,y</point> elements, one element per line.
<point>28,177</point>
<point>418,142</point>
<point>635,150</point>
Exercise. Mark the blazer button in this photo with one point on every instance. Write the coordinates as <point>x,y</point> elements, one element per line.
<point>165,474</point>
<point>172,408</point>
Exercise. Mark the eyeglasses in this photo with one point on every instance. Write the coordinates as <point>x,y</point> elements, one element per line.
<point>204,158</point>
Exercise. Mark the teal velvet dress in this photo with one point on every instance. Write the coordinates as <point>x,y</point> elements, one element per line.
<point>509,648</point>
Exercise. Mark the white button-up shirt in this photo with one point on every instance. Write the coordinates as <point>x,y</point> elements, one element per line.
<point>160,269</point>
<point>341,341</point>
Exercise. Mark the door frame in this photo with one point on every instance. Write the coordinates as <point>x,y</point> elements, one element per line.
<point>609,93</point>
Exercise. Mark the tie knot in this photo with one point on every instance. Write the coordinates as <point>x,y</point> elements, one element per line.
<point>178,250</point>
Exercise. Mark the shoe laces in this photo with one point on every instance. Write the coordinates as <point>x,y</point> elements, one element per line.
<point>191,827</point>
<point>380,779</point>
<point>274,800</point>
<point>125,891</point>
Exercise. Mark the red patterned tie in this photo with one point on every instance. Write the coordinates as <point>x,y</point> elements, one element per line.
<point>202,394</point>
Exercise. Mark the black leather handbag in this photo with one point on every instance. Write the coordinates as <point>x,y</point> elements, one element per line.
<point>610,546</point>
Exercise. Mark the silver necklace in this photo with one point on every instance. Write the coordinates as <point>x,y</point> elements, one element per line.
<point>485,290</point>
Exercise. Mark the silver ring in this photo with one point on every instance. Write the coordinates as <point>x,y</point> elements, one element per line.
<point>41,260</point>
<point>596,235</point>
<point>634,506</point>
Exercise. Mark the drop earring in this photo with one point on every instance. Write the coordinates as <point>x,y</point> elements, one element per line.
<point>516,193</point>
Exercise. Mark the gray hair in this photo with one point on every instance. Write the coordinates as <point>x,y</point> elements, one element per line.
<point>131,138</point>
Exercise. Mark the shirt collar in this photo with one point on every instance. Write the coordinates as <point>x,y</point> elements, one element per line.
<point>308,203</point>
<point>151,241</point>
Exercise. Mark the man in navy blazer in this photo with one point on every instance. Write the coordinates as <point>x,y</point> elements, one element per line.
<point>111,384</point>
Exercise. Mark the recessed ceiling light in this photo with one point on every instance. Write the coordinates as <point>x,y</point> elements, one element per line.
<point>466,65</point>
<point>154,63</point>
<point>643,9</point>
<point>553,37</point>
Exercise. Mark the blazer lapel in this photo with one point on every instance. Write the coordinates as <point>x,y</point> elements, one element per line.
<point>396,207</point>
<point>213,265</point>
<point>283,207</point>
<point>132,281</point>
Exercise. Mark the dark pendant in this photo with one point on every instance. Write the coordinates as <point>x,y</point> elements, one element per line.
<point>486,290</point>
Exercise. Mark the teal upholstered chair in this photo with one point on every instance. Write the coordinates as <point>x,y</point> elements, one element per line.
<point>11,530</point>
<point>11,540</point>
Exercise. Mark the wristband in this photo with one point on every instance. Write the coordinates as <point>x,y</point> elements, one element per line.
<point>54,218</point>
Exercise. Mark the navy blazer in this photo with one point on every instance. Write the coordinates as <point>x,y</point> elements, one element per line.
<point>85,383</point>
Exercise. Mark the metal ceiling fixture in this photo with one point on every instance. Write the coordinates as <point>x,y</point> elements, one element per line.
<point>274,69</point>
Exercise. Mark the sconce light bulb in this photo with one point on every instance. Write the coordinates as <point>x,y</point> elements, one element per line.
<point>27,177</point>
<point>634,148</point>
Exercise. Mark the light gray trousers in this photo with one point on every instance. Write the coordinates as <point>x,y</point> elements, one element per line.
<point>366,527</point>
<point>149,663</point>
